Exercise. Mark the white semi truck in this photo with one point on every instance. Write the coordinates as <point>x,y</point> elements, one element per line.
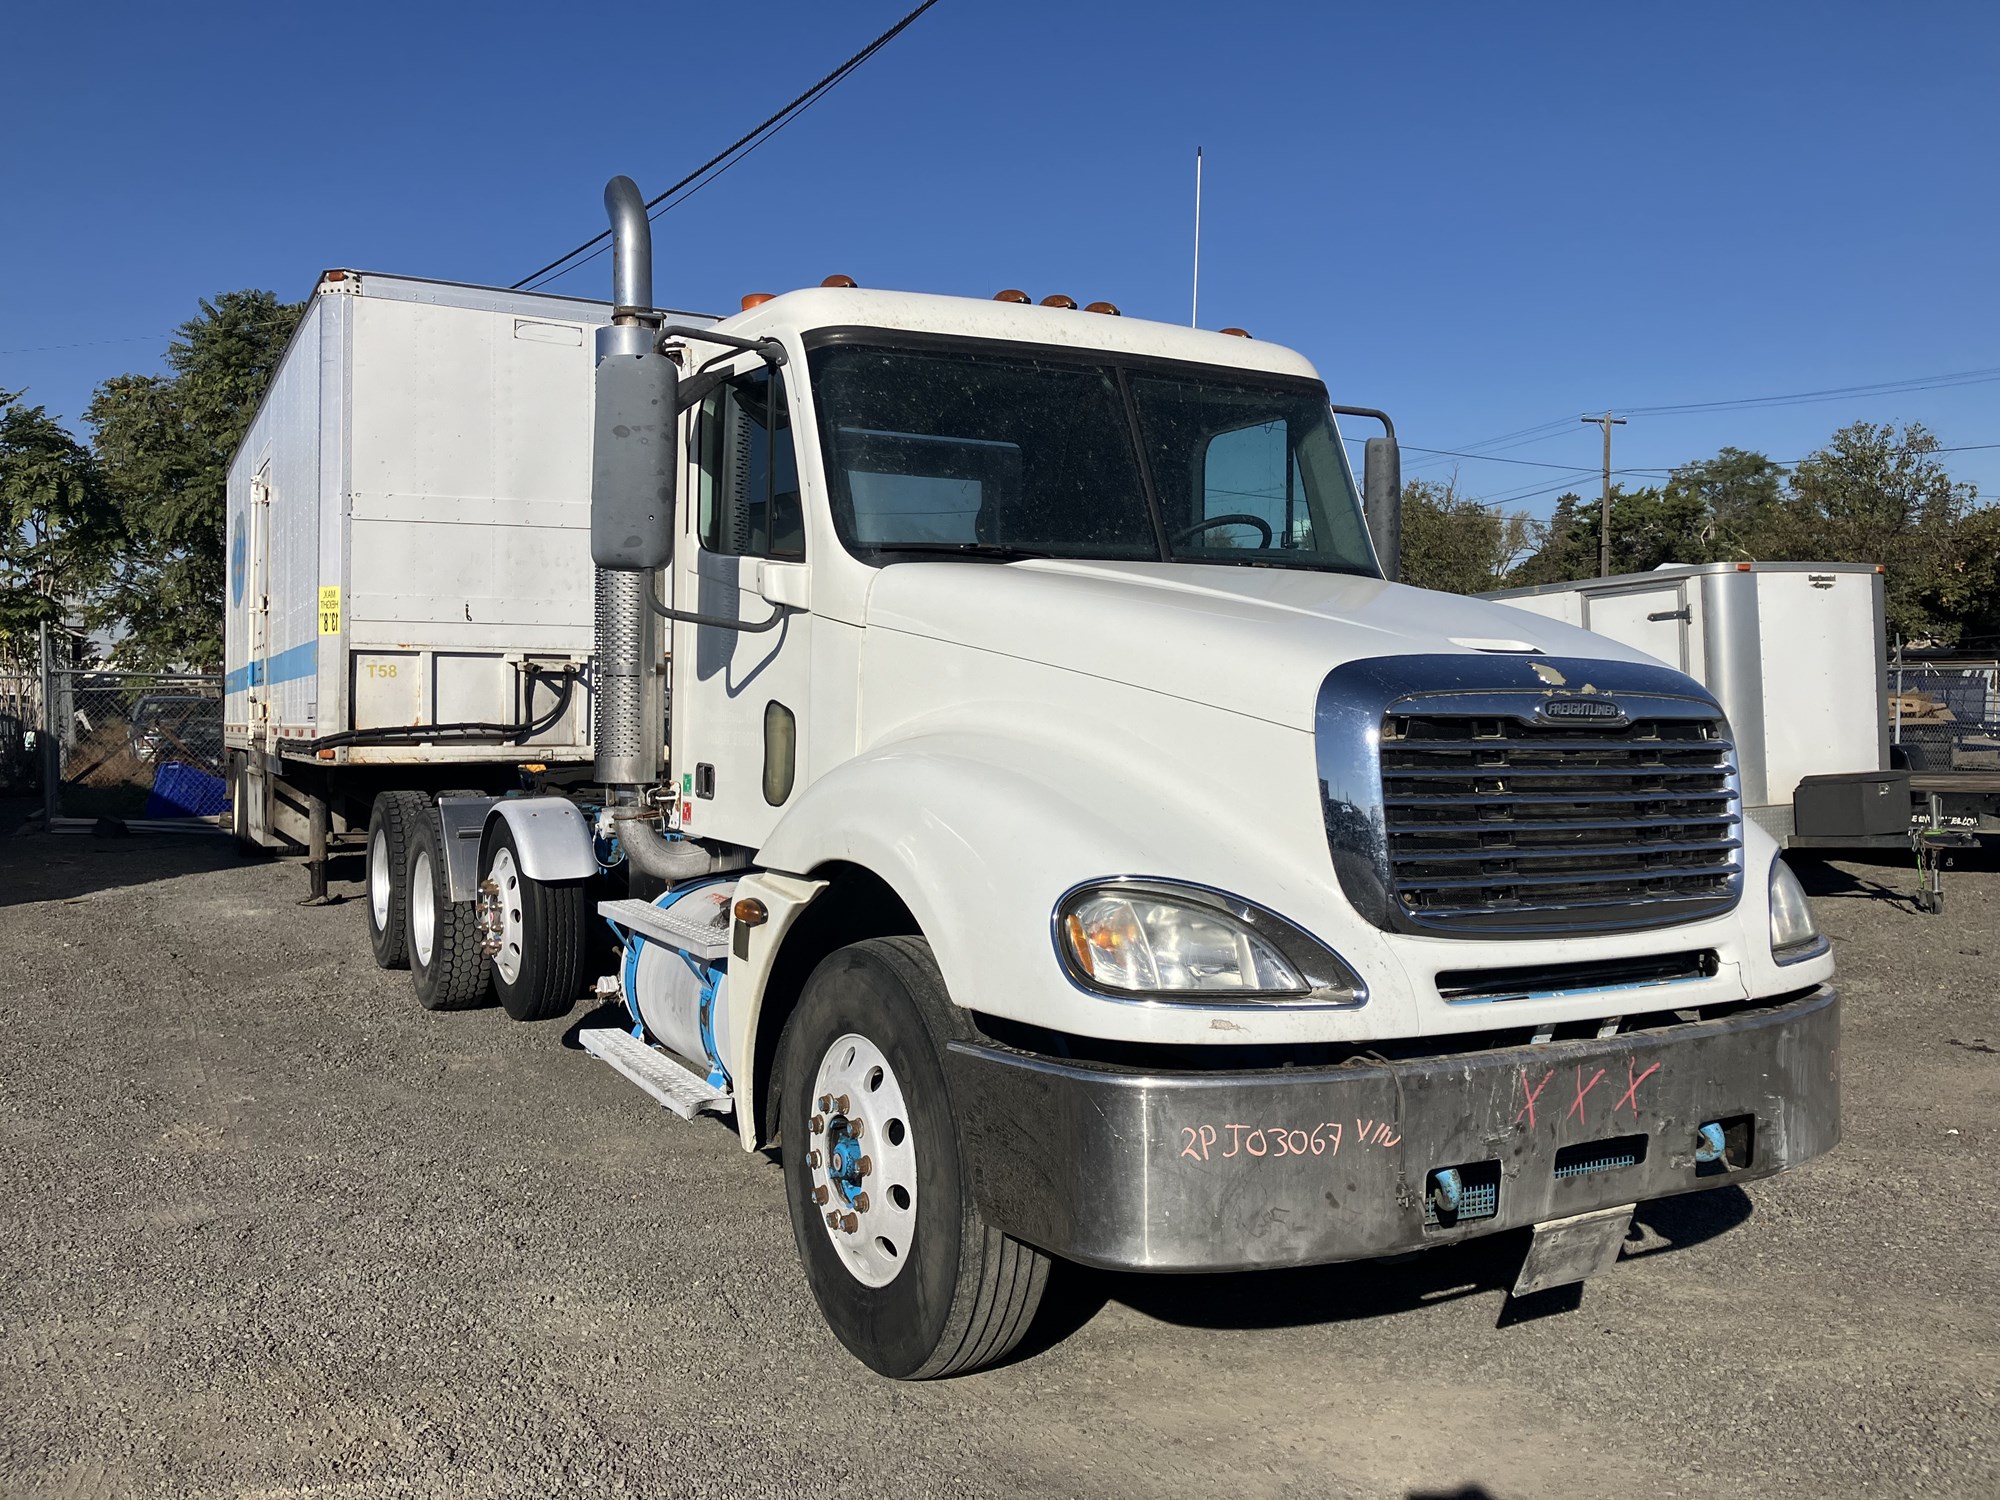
<point>1019,794</point>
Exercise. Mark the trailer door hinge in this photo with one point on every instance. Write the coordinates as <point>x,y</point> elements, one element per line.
<point>1685,612</point>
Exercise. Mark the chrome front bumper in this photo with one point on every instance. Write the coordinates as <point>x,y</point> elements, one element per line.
<point>1233,1171</point>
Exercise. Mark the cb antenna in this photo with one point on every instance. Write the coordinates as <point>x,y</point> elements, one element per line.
<point>1194,303</point>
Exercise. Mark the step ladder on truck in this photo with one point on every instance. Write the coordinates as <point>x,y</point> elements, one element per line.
<point>1021,794</point>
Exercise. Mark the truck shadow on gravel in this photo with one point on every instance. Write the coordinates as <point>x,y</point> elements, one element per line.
<point>1312,1295</point>
<point>65,867</point>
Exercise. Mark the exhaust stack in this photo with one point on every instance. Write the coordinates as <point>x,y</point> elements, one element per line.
<point>630,719</point>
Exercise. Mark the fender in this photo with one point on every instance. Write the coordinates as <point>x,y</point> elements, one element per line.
<point>551,837</point>
<point>978,836</point>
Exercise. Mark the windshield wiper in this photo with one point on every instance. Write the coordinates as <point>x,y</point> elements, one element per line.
<point>994,551</point>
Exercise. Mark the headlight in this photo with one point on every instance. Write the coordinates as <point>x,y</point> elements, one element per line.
<point>1794,934</point>
<point>1161,941</point>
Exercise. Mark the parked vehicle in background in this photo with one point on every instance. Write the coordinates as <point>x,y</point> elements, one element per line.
<point>178,727</point>
<point>1039,811</point>
<point>1796,655</point>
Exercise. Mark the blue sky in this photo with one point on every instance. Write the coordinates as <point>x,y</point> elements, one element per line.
<point>1481,217</point>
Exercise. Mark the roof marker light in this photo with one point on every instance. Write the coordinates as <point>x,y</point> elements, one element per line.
<point>1012,294</point>
<point>838,280</point>
<point>756,299</point>
<point>1237,333</point>
<point>1110,309</point>
<point>1057,299</point>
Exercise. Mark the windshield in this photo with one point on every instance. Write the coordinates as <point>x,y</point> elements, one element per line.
<point>969,452</point>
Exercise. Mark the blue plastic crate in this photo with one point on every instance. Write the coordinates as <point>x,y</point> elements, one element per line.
<point>184,791</point>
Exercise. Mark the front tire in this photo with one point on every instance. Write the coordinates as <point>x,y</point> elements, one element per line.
<point>390,821</point>
<point>906,1273</point>
<point>543,929</point>
<point>450,971</point>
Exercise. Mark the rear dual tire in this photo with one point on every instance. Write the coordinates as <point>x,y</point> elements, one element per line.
<point>450,971</point>
<point>390,822</point>
<point>544,928</point>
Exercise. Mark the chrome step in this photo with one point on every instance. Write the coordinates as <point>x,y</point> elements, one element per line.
<point>686,1093</point>
<point>707,940</point>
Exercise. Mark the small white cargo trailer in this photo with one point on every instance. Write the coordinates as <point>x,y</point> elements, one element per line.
<point>409,597</point>
<point>1794,652</point>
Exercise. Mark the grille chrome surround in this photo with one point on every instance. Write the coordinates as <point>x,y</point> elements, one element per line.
<point>1458,809</point>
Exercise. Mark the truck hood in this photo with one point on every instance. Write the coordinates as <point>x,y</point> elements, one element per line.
<point>1255,641</point>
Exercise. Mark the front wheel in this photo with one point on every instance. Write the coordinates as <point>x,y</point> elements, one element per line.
<point>537,931</point>
<point>906,1273</point>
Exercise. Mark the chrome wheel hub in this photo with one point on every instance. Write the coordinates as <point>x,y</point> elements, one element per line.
<point>423,907</point>
<point>380,885</point>
<point>862,1160</point>
<point>500,924</point>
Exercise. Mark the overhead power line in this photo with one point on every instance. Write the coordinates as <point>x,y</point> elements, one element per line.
<point>1542,432</point>
<point>723,160</point>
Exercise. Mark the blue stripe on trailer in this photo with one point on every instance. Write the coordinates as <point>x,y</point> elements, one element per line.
<point>286,666</point>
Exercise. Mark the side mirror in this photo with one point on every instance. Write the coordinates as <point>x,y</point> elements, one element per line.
<point>1382,502</point>
<point>635,458</point>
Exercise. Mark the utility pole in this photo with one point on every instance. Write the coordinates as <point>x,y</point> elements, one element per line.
<point>1607,422</point>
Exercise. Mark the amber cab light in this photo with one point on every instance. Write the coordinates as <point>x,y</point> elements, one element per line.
<point>756,299</point>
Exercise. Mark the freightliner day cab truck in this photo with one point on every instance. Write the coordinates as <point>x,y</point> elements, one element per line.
<point>1019,795</point>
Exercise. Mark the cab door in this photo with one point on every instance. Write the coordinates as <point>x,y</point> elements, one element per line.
<point>739,697</point>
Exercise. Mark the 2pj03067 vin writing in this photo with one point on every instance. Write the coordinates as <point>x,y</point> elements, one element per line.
<point>1269,1142</point>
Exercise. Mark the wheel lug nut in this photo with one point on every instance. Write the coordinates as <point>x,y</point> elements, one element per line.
<point>861,1203</point>
<point>820,1193</point>
<point>854,1130</point>
<point>832,1220</point>
<point>818,1124</point>
<point>812,1158</point>
<point>863,1167</point>
<point>825,1102</point>
<point>840,1104</point>
<point>850,1224</point>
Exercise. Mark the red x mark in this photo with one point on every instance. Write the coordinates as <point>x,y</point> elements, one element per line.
<point>1582,1089</point>
<point>1631,1094</point>
<point>1533,1094</point>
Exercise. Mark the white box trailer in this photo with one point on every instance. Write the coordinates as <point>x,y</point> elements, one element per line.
<point>1794,652</point>
<point>408,525</point>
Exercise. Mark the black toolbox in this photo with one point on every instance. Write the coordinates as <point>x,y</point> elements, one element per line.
<point>1852,804</point>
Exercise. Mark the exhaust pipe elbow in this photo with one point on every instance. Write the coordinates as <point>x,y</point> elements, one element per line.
<point>631,249</point>
<point>672,860</point>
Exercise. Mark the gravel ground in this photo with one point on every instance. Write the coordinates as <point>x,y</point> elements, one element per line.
<point>270,1229</point>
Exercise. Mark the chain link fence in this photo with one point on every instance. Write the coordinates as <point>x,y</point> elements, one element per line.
<point>20,717</point>
<point>1946,717</point>
<point>133,745</point>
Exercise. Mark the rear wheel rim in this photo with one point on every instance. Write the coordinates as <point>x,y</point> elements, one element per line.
<point>423,907</point>
<point>862,1161</point>
<point>506,878</point>
<point>379,888</point>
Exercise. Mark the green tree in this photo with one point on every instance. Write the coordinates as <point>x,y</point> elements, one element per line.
<point>1732,504</point>
<point>164,443</point>
<point>1874,495</point>
<point>1566,549</point>
<point>57,529</point>
<point>1456,544</point>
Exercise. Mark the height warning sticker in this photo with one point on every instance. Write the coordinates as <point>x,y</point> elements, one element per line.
<point>329,610</point>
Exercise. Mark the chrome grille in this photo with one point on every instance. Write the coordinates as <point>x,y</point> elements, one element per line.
<point>1497,825</point>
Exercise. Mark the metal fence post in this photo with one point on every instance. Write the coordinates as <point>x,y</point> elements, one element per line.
<point>51,755</point>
